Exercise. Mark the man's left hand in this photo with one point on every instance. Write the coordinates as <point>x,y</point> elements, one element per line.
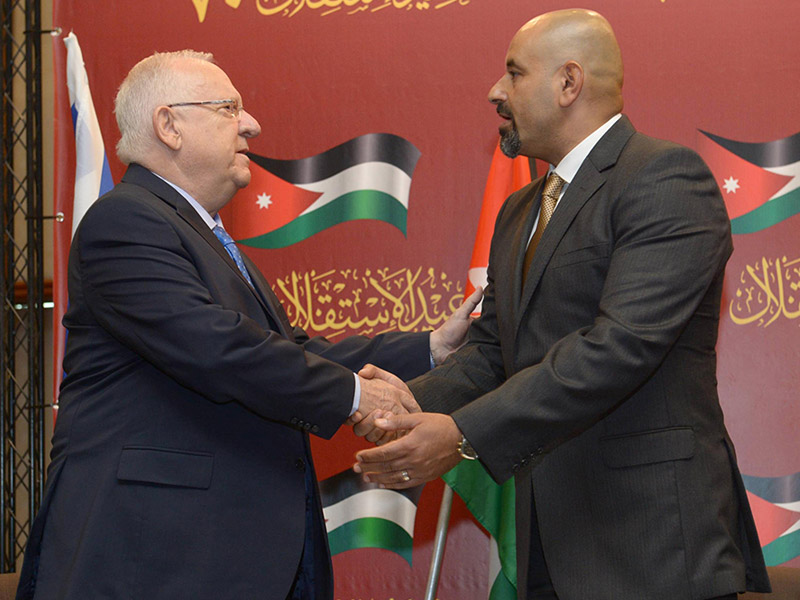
<point>427,451</point>
<point>453,333</point>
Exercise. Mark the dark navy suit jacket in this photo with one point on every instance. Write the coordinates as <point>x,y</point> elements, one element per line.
<point>180,451</point>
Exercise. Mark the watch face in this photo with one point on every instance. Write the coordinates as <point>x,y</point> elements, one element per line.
<point>466,450</point>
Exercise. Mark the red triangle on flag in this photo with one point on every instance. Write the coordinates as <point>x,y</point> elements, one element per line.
<point>771,520</point>
<point>744,186</point>
<point>505,177</point>
<point>265,205</point>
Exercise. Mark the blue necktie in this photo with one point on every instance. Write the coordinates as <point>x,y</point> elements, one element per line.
<point>227,241</point>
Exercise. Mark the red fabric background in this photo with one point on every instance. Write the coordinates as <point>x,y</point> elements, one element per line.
<point>730,67</point>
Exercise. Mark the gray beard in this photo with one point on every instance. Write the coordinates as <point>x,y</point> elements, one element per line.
<point>510,143</point>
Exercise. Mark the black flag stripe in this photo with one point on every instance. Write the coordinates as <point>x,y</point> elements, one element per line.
<point>349,483</point>
<point>765,154</point>
<point>372,147</point>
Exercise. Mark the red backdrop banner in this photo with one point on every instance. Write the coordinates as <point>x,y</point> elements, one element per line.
<point>319,73</point>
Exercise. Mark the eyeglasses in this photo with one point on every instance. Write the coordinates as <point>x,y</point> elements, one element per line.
<point>229,106</point>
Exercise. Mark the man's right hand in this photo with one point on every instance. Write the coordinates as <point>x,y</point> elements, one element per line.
<point>381,392</point>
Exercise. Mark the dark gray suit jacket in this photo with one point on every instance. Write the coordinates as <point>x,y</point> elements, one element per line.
<point>595,384</point>
<point>180,453</point>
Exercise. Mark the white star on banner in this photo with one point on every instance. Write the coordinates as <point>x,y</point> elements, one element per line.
<point>264,200</point>
<point>731,185</point>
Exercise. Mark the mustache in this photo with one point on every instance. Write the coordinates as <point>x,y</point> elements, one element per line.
<point>503,111</point>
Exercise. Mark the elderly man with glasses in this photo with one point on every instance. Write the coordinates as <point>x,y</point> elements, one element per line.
<point>181,465</point>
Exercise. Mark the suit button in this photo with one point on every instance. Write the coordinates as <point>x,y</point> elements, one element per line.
<point>300,464</point>
<point>307,426</point>
<point>294,421</point>
<point>315,429</point>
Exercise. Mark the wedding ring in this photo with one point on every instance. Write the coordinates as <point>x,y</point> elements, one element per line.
<point>405,476</point>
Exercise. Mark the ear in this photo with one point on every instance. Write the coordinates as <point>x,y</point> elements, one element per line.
<point>166,128</point>
<point>572,78</point>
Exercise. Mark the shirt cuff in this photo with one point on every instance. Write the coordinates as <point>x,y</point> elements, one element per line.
<point>356,395</point>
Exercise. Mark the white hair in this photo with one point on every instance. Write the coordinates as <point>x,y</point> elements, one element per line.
<point>152,82</point>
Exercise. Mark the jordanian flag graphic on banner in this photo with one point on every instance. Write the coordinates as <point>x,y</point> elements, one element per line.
<point>361,515</point>
<point>775,502</point>
<point>760,182</point>
<point>288,201</point>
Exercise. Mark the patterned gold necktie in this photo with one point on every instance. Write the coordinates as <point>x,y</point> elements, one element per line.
<point>552,188</point>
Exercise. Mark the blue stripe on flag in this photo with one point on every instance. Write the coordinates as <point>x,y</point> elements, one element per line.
<point>106,183</point>
<point>92,172</point>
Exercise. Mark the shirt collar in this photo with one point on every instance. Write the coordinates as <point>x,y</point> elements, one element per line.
<point>207,218</point>
<point>569,165</point>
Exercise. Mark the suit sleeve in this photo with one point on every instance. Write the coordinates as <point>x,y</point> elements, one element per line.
<point>406,355</point>
<point>141,284</point>
<point>671,242</point>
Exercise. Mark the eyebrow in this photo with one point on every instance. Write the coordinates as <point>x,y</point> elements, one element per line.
<point>512,63</point>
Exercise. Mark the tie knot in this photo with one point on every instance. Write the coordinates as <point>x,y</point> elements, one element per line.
<point>553,185</point>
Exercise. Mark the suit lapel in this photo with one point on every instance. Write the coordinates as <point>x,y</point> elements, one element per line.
<point>584,185</point>
<point>568,207</point>
<point>269,298</point>
<point>138,175</point>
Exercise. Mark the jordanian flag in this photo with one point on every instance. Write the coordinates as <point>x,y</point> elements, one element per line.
<point>361,515</point>
<point>506,176</point>
<point>775,502</point>
<point>492,506</point>
<point>288,201</point>
<point>760,182</point>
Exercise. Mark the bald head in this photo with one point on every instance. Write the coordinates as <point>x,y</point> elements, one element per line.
<point>563,80</point>
<point>585,37</point>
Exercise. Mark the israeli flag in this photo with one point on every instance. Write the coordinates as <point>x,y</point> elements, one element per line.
<point>92,174</point>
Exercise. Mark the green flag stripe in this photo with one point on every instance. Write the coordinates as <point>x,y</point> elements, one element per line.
<point>493,507</point>
<point>371,533</point>
<point>361,204</point>
<point>783,549</point>
<point>768,214</point>
<point>484,498</point>
<point>502,588</point>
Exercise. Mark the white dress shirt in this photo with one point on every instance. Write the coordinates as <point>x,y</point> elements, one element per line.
<point>569,165</point>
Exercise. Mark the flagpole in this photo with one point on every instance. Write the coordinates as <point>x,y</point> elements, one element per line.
<point>439,543</point>
<point>505,177</point>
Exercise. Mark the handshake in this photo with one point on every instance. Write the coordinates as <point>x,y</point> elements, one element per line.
<point>382,393</point>
<point>414,447</point>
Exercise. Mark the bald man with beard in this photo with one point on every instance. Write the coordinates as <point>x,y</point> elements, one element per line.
<point>591,375</point>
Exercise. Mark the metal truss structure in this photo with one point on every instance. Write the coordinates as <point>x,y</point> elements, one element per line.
<point>22,406</point>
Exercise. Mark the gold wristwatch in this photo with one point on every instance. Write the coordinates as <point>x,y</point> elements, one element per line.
<point>465,449</point>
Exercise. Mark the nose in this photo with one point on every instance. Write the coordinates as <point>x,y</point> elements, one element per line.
<point>248,126</point>
<point>497,94</point>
